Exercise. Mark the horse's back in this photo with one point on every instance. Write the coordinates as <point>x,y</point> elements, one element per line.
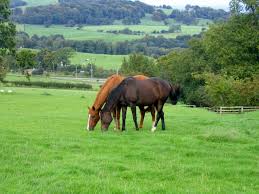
<point>158,87</point>
<point>140,77</point>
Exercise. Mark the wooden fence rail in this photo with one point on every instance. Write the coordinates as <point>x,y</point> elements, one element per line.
<point>235,109</point>
<point>226,109</point>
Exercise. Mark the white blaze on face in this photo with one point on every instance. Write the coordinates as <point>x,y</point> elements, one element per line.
<point>88,123</point>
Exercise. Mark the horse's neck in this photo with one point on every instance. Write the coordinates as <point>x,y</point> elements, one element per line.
<point>113,99</point>
<point>105,90</point>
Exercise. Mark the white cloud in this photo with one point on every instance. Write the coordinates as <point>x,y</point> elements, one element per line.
<point>219,4</point>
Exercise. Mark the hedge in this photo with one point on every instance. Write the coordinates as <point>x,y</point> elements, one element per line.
<point>66,85</point>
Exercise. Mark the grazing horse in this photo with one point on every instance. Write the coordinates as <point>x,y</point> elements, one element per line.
<point>132,92</point>
<point>101,98</point>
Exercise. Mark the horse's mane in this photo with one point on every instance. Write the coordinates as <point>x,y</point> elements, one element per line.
<point>115,95</point>
<point>103,92</point>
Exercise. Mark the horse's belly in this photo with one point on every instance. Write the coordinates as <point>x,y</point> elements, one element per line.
<point>146,101</point>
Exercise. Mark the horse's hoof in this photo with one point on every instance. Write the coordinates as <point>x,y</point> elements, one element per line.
<point>153,129</point>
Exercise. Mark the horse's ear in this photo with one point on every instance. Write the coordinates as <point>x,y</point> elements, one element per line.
<point>89,108</point>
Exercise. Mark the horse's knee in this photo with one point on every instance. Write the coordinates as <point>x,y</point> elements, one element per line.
<point>162,114</point>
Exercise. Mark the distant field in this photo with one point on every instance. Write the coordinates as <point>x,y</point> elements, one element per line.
<point>149,22</point>
<point>186,30</point>
<point>40,2</point>
<point>102,60</point>
<point>94,32</point>
<point>87,33</point>
<point>167,11</point>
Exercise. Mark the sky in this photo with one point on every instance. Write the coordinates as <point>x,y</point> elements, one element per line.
<point>180,4</point>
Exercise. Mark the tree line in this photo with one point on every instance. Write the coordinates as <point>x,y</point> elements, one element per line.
<point>84,12</point>
<point>191,13</point>
<point>7,37</point>
<point>46,60</point>
<point>17,3</point>
<point>219,68</point>
<point>149,45</point>
<point>72,12</point>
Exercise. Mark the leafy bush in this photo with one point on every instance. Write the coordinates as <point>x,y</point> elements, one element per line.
<point>223,90</point>
<point>139,64</point>
<point>66,85</point>
<point>3,68</point>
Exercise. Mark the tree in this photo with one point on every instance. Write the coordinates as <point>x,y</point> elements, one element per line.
<point>232,47</point>
<point>3,68</point>
<point>175,28</point>
<point>235,7</point>
<point>138,64</point>
<point>229,51</point>
<point>159,15</point>
<point>26,59</point>
<point>46,59</point>
<point>7,37</point>
<point>63,55</point>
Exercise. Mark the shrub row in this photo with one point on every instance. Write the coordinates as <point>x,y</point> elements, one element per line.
<point>66,85</point>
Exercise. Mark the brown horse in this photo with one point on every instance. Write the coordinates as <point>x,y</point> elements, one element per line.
<point>101,98</point>
<point>132,92</point>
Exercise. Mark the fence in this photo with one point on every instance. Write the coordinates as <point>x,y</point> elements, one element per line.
<point>235,109</point>
<point>226,109</point>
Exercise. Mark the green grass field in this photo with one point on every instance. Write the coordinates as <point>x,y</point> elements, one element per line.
<point>45,149</point>
<point>87,33</point>
<point>55,78</point>
<point>102,60</point>
<point>40,2</point>
<point>94,33</point>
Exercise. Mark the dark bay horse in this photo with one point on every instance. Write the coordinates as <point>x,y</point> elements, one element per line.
<point>131,92</point>
<point>111,83</point>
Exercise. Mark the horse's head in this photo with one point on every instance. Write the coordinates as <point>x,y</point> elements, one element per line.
<point>93,118</point>
<point>175,93</point>
<point>106,119</point>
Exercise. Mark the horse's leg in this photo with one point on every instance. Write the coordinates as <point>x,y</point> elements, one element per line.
<point>153,114</point>
<point>163,120</point>
<point>124,113</point>
<point>134,114</point>
<point>158,116</point>
<point>142,116</point>
<point>159,112</point>
<point>114,118</point>
<point>118,114</point>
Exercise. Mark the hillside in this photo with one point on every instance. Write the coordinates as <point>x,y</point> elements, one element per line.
<point>85,12</point>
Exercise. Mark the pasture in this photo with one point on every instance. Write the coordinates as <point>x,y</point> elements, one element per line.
<point>42,2</point>
<point>45,149</point>
<point>99,32</point>
<point>102,60</point>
